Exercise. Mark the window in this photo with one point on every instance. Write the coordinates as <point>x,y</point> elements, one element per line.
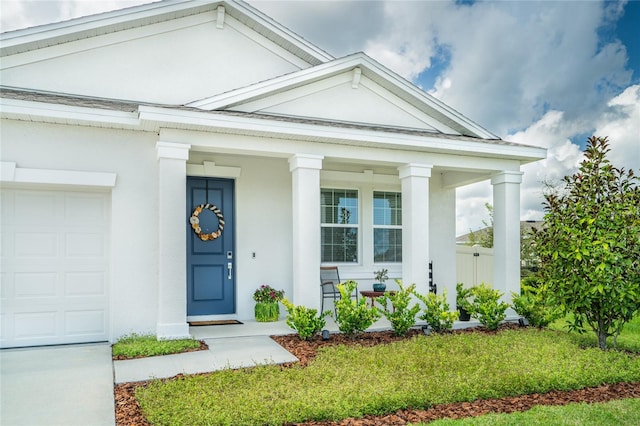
<point>339,225</point>
<point>387,226</point>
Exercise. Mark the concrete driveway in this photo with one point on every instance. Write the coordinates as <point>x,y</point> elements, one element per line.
<point>57,385</point>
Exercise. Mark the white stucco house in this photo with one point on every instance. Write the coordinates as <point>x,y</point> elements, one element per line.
<point>115,127</point>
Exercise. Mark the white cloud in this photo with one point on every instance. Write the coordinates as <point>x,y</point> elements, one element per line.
<point>621,123</point>
<point>17,14</point>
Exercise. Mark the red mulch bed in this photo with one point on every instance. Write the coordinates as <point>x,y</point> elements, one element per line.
<point>128,411</point>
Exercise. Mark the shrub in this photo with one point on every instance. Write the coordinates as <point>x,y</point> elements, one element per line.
<point>533,303</point>
<point>401,316</point>
<point>462,297</point>
<point>436,312</point>
<point>353,316</point>
<point>589,248</point>
<point>486,306</point>
<point>304,320</point>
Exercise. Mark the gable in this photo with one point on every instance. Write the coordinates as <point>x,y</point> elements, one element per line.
<point>339,98</point>
<point>354,88</point>
<point>172,61</point>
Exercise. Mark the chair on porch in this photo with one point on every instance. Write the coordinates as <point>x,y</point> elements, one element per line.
<point>329,279</point>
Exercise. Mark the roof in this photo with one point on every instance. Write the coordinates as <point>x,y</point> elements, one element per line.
<point>219,113</point>
<point>33,38</point>
<point>525,226</point>
<point>381,75</point>
<point>24,105</point>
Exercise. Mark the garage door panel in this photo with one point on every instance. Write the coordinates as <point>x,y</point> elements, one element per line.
<point>30,325</point>
<point>54,280</point>
<point>28,207</point>
<point>36,244</point>
<point>35,284</point>
<point>85,210</point>
<point>85,244</point>
<point>85,322</point>
<point>83,284</point>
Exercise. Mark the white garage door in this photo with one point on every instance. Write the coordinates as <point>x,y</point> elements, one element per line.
<point>54,269</point>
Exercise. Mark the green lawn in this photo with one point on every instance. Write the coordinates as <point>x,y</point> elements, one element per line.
<point>353,381</point>
<point>629,339</point>
<point>613,413</point>
<point>143,345</point>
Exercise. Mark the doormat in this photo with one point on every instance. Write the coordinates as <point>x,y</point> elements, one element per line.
<point>215,322</point>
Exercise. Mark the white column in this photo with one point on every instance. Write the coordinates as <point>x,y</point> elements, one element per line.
<point>305,175</point>
<point>442,238</point>
<point>506,232</point>
<point>172,257</point>
<point>415,225</point>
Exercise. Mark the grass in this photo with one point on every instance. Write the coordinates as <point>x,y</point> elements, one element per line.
<point>629,339</point>
<point>348,381</point>
<point>143,345</point>
<point>620,412</point>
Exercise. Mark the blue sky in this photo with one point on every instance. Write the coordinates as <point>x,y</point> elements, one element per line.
<point>544,73</point>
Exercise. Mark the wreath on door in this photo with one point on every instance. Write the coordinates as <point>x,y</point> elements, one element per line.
<point>195,222</point>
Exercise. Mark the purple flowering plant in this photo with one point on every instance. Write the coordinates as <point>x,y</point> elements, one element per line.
<point>267,294</point>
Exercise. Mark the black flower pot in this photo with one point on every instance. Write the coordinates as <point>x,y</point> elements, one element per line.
<point>464,315</point>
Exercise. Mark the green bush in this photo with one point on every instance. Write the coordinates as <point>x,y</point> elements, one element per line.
<point>462,297</point>
<point>436,312</point>
<point>533,304</point>
<point>400,315</point>
<point>353,316</point>
<point>304,320</point>
<point>486,306</point>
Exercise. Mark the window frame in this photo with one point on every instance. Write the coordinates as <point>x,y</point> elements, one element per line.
<point>357,225</point>
<point>374,226</point>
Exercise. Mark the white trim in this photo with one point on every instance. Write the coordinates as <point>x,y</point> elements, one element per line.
<point>415,170</point>
<point>300,131</point>
<point>10,173</point>
<point>65,114</point>
<point>506,177</point>
<point>305,161</point>
<point>172,150</point>
<point>367,176</point>
<point>209,168</point>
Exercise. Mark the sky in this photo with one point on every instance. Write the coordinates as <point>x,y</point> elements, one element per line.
<point>543,73</point>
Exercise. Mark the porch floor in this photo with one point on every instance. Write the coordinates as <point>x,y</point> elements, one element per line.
<point>254,328</point>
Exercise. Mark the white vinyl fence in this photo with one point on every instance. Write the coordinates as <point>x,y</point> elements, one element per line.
<point>474,265</point>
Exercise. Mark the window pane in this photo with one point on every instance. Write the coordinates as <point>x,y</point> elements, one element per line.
<point>339,244</point>
<point>339,206</point>
<point>387,208</point>
<point>387,245</point>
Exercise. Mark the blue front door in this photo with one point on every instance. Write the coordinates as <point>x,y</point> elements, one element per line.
<point>210,247</point>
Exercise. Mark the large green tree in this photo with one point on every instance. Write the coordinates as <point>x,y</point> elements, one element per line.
<point>590,247</point>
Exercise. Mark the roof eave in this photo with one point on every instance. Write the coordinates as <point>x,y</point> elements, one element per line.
<point>24,40</point>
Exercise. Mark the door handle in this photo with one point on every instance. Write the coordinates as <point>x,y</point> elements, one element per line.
<point>229,269</point>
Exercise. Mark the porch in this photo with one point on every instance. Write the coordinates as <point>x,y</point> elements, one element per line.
<point>254,328</point>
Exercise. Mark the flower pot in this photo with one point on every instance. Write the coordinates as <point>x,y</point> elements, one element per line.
<point>464,315</point>
<point>267,311</point>
<point>379,287</point>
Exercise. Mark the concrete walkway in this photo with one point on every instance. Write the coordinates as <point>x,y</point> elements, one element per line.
<point>61,385</point>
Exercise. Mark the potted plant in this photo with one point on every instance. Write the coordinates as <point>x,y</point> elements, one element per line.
<point>381,277</point>
<point>267,308</point>
<point>462,301</point>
